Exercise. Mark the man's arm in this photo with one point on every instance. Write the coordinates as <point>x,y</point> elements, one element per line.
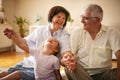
<point>118,64</point>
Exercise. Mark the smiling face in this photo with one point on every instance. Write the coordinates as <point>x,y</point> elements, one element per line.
<point>91,17</point>
<point>59,20</point>
<point>86,19</point>
<point>89,22</point>
<point>51,46</point>
<point>58,10</point>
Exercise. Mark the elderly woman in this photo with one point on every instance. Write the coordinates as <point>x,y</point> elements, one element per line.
<point>57,18</point>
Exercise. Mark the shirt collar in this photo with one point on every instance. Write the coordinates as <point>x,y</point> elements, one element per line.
<point>48,28</point>
<point>57,32</point>
<point>103,28</point>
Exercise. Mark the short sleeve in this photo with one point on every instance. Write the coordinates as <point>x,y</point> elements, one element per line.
<point>57,63</point>
<point>75,40</point>
<point>31,39</point>
<point>114,41</point>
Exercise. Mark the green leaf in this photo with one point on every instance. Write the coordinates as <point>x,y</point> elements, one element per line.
<point>70,19</point>
<point>20,21</point>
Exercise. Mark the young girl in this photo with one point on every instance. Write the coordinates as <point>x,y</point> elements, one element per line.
<point>46,63</point>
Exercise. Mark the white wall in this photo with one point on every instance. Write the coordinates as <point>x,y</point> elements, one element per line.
<point>9,6</point>
<point>30,9</point>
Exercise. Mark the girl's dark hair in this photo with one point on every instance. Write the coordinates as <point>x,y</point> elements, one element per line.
<point>55,10</point>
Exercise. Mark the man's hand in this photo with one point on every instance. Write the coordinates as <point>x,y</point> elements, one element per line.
<point>68,60</point>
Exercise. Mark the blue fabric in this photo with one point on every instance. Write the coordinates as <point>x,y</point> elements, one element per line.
<point>26,73</point>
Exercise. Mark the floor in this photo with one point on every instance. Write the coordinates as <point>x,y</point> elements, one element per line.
<point>8,59</point>
<point>114,63</point>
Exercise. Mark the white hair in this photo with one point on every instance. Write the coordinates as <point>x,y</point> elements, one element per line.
<point>96,10</point>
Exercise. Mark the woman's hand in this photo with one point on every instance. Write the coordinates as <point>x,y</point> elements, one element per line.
<point>17,39</point>
<point>9,33</point>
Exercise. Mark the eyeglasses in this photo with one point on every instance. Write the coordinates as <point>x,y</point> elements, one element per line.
<point>87,18</point>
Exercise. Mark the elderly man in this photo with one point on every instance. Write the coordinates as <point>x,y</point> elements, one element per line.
<point>93,47</point>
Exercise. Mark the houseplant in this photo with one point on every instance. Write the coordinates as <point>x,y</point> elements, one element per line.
<point>21,22</point>
<point>69,21</point>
